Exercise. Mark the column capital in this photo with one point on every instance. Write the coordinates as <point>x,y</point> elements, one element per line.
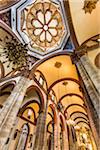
<point>26,73</point>
<point>74,58</point>
<point>81,50</point>
<point>78,53</point>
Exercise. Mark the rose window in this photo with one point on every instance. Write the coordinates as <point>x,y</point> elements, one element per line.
<point>44,25</point>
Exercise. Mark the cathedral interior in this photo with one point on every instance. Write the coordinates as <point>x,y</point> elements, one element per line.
<point>49,74</point>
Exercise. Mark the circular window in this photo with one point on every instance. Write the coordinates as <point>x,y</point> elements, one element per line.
<point>97,61</point>
<point>44,25</point>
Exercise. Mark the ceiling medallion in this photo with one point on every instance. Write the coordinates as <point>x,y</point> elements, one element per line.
<point>65,83</point>
<point>41,24</point>
<point>58,64</point>
<point>89,5</point>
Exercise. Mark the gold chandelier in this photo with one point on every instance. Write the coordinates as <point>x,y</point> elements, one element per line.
<point>15,53</point>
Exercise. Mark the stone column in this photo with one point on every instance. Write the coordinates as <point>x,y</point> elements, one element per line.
<point>93,74</point>
<point>78,136</point>
<point>93,96</point>
<point>33,138</point>
<point>89,86</point>
<point>52,141</point>
<point>10,110</point>
<point>72,142</point>
<point>56,138</point>
<point>57,132</point>
<point>40,137</point>
<point>65,138</point>
<point>40,131</point>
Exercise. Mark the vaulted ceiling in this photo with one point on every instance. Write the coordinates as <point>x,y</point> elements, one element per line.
<point>62,78</point>
<point>84,21</point>
<point>43,26</point>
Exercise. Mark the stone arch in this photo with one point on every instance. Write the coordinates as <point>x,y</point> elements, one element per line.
<point>39,94</point>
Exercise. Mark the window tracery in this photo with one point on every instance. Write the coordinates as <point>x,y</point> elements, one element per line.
<point>41,24</point>
<point>44,25</point>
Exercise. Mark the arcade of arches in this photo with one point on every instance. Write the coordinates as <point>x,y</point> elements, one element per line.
<point>52,101</point>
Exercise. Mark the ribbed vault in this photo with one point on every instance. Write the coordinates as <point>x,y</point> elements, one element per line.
<point>63,86</point>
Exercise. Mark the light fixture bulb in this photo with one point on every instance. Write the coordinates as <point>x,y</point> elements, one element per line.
<point>29,112</point>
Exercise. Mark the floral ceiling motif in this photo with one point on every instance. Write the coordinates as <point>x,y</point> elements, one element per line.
<point>89,5</point>
<point>41,24</point>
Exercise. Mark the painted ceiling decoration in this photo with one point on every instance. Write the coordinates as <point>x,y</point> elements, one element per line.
<point>5,4</point>
<point>89,5</point>
<point>41,24</point>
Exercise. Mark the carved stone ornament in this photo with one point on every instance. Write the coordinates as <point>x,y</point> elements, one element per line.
<point>89,5</point>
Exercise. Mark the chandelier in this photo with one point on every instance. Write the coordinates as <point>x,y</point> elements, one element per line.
<point>15,53</point>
